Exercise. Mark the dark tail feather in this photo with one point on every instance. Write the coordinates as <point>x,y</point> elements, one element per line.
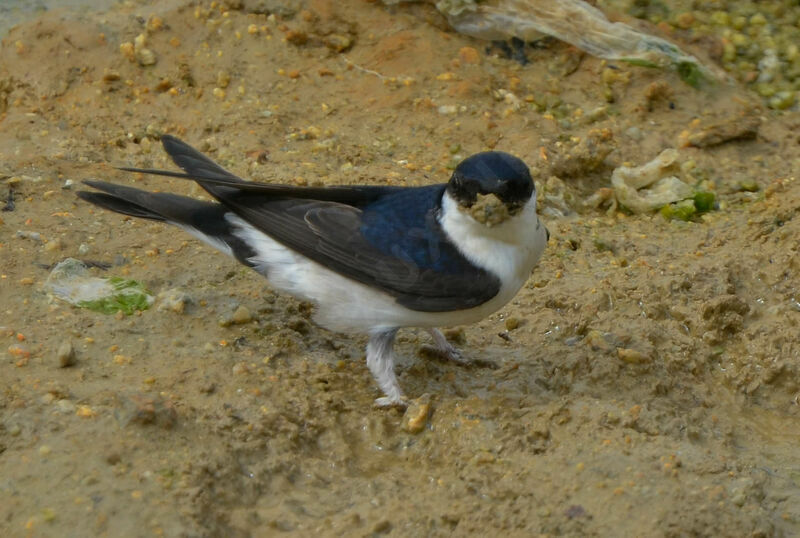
<point>205,220</point>
<point>118,205</point>
<point>193,162</point>
<point>195,165</point>
<point>150,205</point>
<point>221,184</point>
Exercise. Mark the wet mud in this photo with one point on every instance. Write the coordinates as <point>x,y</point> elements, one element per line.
<point>644,382</point>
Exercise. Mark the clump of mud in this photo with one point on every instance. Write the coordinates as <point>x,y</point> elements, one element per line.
<point>488,209</point>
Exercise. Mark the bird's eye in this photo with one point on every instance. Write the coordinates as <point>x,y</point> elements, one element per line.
<point>463,189</point>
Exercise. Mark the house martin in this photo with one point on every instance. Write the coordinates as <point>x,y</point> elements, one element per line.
<point>372,259</point>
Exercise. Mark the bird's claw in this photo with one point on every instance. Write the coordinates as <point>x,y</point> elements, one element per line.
<point>385,401</point>
<point>449,353</point>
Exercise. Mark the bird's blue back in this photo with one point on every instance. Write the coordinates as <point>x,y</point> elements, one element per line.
<point>405,225</point>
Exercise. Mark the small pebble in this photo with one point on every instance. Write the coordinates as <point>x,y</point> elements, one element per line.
<point>338,42</point>
<point>65,356</point>
<point>127,49</point>
<point>144,409</point>
<point>242,315</point>
<point>223,79</point>
<point>632,356</point>
<point>65,406</point>
<point>142,54</point>
<point>382,527</point>
<point>634,133</point>
<point>84,411</point>
<point>597,341</point>
<point>469,55</point>
<point>416,416</point>
<point>240,368</point>
<point>172,300</point>
<point>33,236</point>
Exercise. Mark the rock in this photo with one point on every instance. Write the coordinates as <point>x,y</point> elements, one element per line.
<point>145,57</point>
<point>632,356</point>
<point>33,236</point>
<point>65,356</point>
<point>239,316</point>
<point>240,368</point>
<point>469,55</point>
<point>285,9</point>
<point>597,341</point>
<point>738,128</point>
<point>145,409</point>
<point>65,406</point>
<point>141,53</point>
<point>416,416</point>
<point>242,315</point>
<point>338,42</point>
<point>382,527</point>
<point>634,133</point>
<point>223,79</point>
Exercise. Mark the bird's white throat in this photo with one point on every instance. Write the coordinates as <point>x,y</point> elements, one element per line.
<point>510,250</point>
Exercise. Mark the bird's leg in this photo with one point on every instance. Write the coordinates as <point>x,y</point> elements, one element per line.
<point>445,348</point>
<point>380,361</point>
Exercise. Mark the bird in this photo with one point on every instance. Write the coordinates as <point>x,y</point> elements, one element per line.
<point>373,259</point>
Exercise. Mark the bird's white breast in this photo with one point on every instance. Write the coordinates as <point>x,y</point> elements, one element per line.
<point>509,250</point>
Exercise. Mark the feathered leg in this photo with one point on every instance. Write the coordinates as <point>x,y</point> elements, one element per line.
<point>380,361</point>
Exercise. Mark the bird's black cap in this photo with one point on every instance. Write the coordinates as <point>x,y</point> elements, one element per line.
<point>491,172</point>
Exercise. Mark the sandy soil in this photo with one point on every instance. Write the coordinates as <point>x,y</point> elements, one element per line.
<point>645,380</point>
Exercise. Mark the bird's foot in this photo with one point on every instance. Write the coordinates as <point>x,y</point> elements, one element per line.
<point>386,401</point>
<point>449,353</point>
<point>443,349</point>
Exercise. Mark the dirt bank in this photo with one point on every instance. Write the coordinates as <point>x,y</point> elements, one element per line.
<point>645,380</point>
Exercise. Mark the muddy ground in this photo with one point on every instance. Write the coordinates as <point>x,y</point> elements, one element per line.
<point>644,381</point>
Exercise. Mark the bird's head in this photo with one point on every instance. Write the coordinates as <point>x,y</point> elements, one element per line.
<point>491,186</point>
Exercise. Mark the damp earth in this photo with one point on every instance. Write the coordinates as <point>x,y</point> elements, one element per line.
<point>644,382</point>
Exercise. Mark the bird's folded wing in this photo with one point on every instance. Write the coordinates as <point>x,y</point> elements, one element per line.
<point>331,234</point>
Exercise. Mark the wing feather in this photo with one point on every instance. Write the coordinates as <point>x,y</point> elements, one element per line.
<point>332,234</point>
